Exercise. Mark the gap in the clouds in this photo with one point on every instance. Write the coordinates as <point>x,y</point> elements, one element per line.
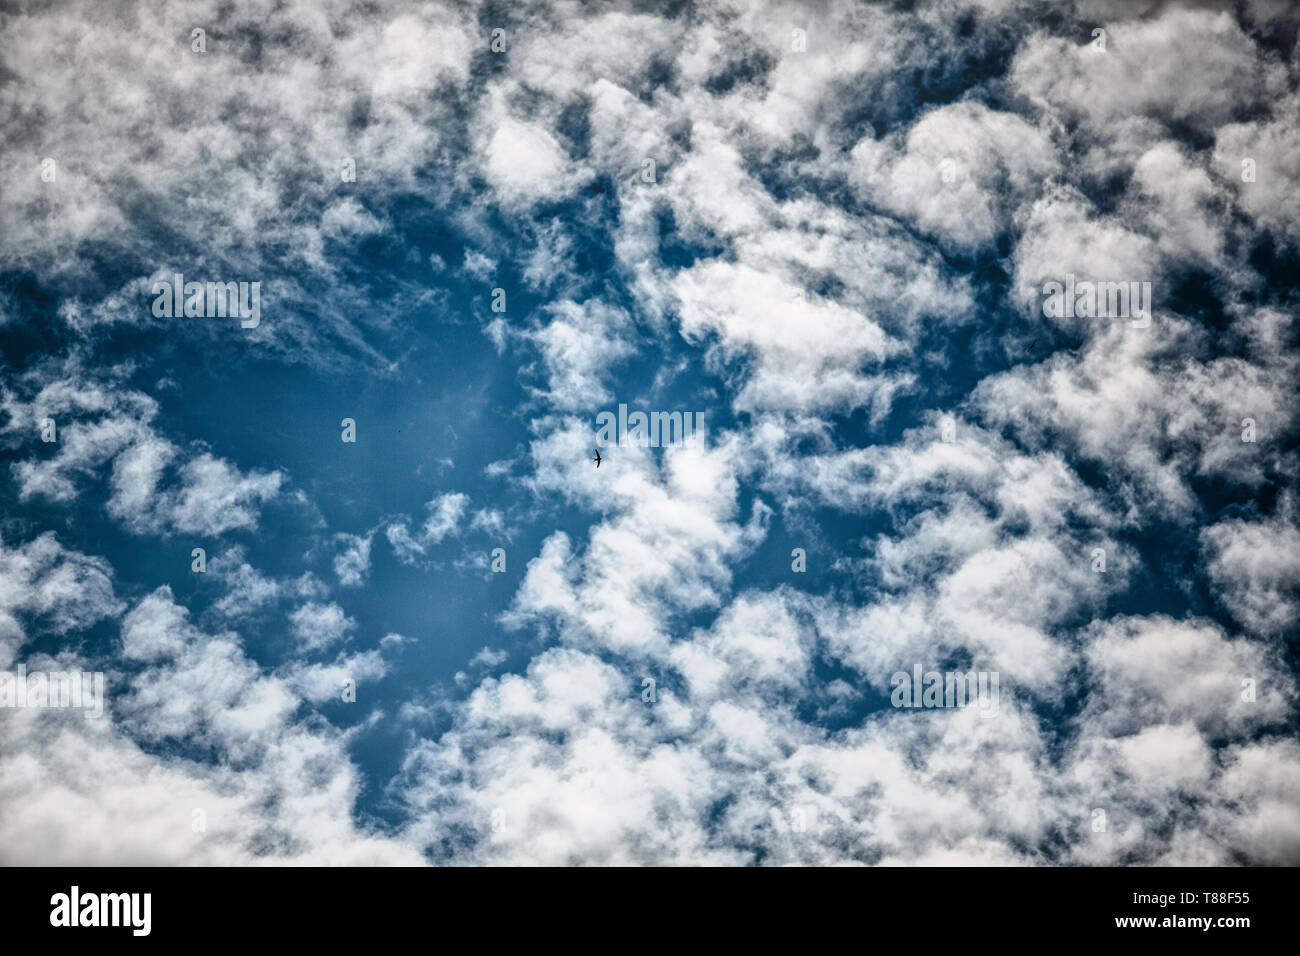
<point>97,644</point>
<point>426,431</point>
<point>833,541</point>
<point>752,66</point>
<point>1167,576</point>
<point>951,362</point>
<point>873,108</point>
<point>1279,267</point>
<point>1277,35</point>
<point>1201,139</point>
<point>573,127</point>
<point>660,77</point>
<point>678,253</point>
<point>842,698</point>
<point>1057,717</point>
<point>1193,293</point>
<point>595,211</point>
<point>32,332</point>
<point>1223,498</point>
<point>485,64</point>
<point>1105,190</point>
<point>447,409</point>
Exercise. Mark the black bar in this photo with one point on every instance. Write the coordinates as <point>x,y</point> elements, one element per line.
<point>654,907</point>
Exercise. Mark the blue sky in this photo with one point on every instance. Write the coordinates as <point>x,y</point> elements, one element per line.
<point>828,228</point>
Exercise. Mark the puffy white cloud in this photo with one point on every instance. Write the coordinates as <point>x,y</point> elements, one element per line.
<point>526,164</point>
<point>446,516</point>
<point>318,626</point>
<point>1143,71</point>
<point>248,590</point>
<point>214,497</point>
<point>45,585</point>
<point>1261,159</point>
<point>96,422</point>
<point>277,790</point>
<point>321,682</point>
<point>1154,671</point>
<point>958,172</point>
<point>581,346</point>
<point>352,563</point>
<point>1152,406</point>
<point>666,549</point>
<point>808,351</point>
<point>1255,566</point>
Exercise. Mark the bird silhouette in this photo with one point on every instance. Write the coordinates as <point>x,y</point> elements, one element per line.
<point>598,459</point>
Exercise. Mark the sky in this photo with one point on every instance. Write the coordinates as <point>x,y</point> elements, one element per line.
<point>424,628</point>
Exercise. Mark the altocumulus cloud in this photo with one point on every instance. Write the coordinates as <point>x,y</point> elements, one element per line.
<point>830,227</point>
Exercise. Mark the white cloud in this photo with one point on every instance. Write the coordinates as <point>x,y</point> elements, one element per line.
<point>995,162</point>
<point>323,682</point>
<point>525,164</point>
<point>581,346</point>
<point>317,627</point>
<point>1143,70</point>
<point>277,791</point>
<point>1255,566</point>
<point>352,563</point>
<point>97,422</point>
<point>446,514</point>
<point>47,586</point>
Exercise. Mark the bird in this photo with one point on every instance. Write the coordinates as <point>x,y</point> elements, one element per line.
<point>598,459</point>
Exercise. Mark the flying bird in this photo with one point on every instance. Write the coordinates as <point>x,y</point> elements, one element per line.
<point>598,459</point>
